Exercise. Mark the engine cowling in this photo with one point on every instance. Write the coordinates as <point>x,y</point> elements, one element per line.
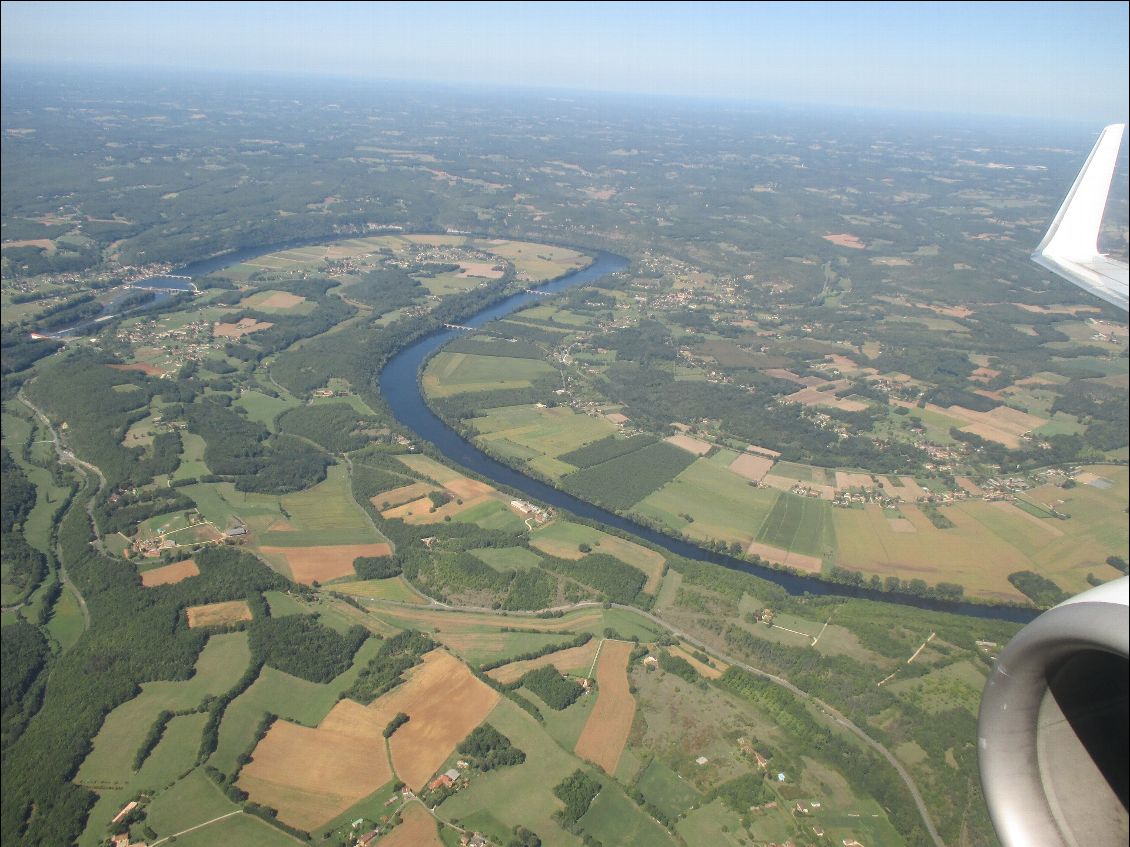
<point>1052,732</point>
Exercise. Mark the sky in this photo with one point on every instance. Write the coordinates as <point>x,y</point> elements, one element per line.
<point>1049,60</point>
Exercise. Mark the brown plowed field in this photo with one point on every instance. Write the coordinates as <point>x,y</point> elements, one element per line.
<point>169,574</point>
<point>322,564</point>
<point>444,702</point>
<point>216,614</point>
<point>606,731</point>
<point>564,660</point>
<point>313,775</point>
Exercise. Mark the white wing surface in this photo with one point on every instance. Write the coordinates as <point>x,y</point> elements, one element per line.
<point>1070,249</point>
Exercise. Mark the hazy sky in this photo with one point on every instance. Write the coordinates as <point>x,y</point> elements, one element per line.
<point>1066,60</point>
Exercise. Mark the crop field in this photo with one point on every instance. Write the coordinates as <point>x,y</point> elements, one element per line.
<point>261,408</point>
<point>418,829</point>
<point>242,829</point>
<point>278,301</point>
<point>971,554</point>
<point>191,801</point>
<point>392,588</point>
<point>713,823</point>
<point>324,515</point>
<point>566,661</point>
<point>400,496</point>
<point>169,574</point>
<point>613,819</point>
<point>522,794</point>
<point>444,702</point>
<point>308,565</point>
<point>721,504</point>
<point>606,731</point>
<point>550,432</point>
<point>312,775</point>
<point>563,538</point>
<point>535,262</point>
<point>287,696</point>
<point>801,524</point>
<point>221,662</point>
<point>218,614</point>
<point>625,480</point>
<point>457,373</point>
<point>671,794</point>
<point>430,468</point>
<point>174,755</point>
<point>508,558</point>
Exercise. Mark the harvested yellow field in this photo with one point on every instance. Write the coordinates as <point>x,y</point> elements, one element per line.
<point>692,445</point>
<point>282,300</point>
<point>444,702</point>
<point>788,558</point>
<point>417,830</point>
<point>321,564</point>
<point>574,658</point>
<point>218,614</point>
<point>169,574</point>
<point>244,327</point>
<point>400,496</point>
<point>751,467</point>
<point>606,731</point>
<point>313,775</point>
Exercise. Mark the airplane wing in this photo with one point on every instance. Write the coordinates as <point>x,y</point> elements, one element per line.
<point>1070,249</point>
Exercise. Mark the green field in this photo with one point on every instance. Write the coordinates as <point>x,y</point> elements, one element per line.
<point>626,480</point>
<point>456,373</point>
<point>563,538</point>
<point>189,802</point>
<point>955,686</point>
<point>508,558</point>
<point>614,819</point>
<point>288,697</point>
<point>802,524</point>
<point>393,588</point>
<point>713,823</point>
<point>66,624</point>
<point>522,794</point>
<point>242,829</point>
<point>724,506</point>
<point>666,790</point>
<point>173,756</point>
<point>549,432</point>
<point>221,662</point>
<point>326,514</point>
<point>262,408</point>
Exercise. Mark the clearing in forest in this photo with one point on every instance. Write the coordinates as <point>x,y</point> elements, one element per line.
<point>606,731</point>
<point>218,614</point>
<point>169,574</point>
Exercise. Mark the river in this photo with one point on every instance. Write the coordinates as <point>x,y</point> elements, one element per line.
<point>400,388</point>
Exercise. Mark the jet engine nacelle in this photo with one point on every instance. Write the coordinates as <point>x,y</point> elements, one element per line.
<point>1052,732</point>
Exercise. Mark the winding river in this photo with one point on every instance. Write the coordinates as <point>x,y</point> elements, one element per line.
<point>400,388</point>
